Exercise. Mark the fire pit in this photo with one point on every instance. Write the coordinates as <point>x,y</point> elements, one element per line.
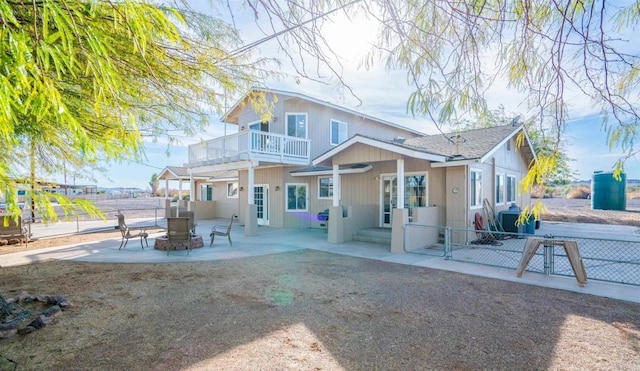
<point>162,243</point>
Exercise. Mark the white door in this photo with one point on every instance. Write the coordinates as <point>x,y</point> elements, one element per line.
<point>261,200</point>
<point>388,192</point>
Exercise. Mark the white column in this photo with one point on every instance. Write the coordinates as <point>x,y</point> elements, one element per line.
<point>192,187</point>
<point>337,187</point>
<point>179,196</point>
<point>400,190</point>
<point>166,188</point>
<point>250,185</point>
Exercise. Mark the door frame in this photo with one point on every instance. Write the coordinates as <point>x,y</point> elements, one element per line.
<point>394,200</point>
<point>265,204</point>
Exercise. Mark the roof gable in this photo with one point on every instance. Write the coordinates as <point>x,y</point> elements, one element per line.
<point>230,115</point>
<point>475,144</point>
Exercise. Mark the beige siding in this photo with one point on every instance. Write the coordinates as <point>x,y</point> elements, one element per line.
<point>319,122</point>
<point>457,196</point>
<point>273,178</point>
<point>359,153</point>
<point>507,160</point>
<point>225,206</point>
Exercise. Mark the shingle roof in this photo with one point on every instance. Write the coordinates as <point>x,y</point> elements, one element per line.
<point>471,144</point>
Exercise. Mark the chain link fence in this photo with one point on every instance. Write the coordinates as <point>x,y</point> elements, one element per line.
<point>605,259</point>
<point>140,212</point>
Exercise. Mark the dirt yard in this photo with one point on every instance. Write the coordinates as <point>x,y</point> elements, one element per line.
<point>310,310</point>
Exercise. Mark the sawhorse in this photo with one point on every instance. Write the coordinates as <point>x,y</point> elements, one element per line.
<point>570,247</point>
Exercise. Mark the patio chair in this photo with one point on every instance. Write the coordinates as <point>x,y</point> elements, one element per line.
<point>127,233</point>
<point>222,230</point>
<point>192,220</point>
<point>178,232</point>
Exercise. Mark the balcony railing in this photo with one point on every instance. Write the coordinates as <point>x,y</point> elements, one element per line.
<point>251,145</point>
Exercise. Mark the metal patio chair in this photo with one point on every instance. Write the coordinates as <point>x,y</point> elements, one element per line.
<point>128,233</point>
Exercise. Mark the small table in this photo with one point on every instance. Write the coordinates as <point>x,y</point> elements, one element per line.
<point>162,243</point>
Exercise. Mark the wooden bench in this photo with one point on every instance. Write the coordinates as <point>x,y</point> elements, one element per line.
<point>10,229</point>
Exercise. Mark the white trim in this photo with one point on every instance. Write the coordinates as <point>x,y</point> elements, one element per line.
<point>329,197</point>
<point>286,200</point>
<point>330,171</point>
<point>378,144</point>
<point>237,190</point>
<point>259,122</point>
<point>265,204</point>
<point>217,180</point>
<point>306,124</point>
<point>346,131</point>
<point>504,188</point>
<point>471,198</point>
<point>515,193</point>
<point>200,198</point>
<point>383,176</point>
<point>276,92</point>
<point>455,163</point>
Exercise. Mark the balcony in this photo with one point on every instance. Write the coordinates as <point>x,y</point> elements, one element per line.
<point>251,145</point>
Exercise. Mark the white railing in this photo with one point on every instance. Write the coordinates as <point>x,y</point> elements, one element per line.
<point>251,144</point>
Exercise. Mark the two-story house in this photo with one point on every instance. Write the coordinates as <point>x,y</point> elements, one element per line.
<point>313,155</point>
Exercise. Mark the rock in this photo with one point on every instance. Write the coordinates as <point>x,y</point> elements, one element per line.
<point>60,300</point>
<point>52,311</point>
<point>26,330</point>
<point>25,297</point>
<point>8,329</point>
<point>40,322</point>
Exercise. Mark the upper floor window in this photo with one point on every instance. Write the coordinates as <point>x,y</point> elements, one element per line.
<point>511,188</point>
<point>297,125</point>
<point>476,188</point>
<point>338,132</point>
<point>260,126</point>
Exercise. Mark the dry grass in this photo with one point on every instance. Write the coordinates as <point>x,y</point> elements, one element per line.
<point>579,192</point>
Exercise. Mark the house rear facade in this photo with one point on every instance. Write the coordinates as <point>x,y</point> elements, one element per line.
<point>309,156</point>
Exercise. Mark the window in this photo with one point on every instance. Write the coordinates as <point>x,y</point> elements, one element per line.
<point>206,192</point>
<point>260,126</point>
<point>325,187</point>
<point>296,197</point>
<point>511,188</point>
<point>297,125</point>
<point>415,192</point>
<point>338,132</point>
<point>499,189</point>
<point>232,190</point>
<point>476,188</point>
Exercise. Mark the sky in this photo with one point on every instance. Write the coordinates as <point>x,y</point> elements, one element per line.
<point>383,94</point>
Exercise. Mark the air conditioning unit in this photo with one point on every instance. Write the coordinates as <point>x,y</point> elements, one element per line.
<point>508,219</point>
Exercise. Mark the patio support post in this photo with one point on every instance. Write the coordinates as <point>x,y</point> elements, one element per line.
<point>337,187</point>
<point>192,190</point>
<point>400,214</point>
<point>251,220</point>
<point>179,196</point>
<point>400,176</point>
<point>166,188</point>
